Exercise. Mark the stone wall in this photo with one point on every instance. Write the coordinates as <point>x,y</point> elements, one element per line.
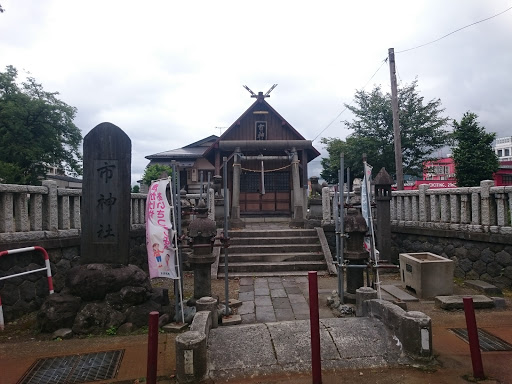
<point>483,256</point>
<point>25,294</point>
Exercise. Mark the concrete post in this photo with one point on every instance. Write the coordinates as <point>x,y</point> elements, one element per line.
<point>50,206</point>
<point>298,212</point>
<point>191,357</point>
<point>363,294</point>
<point>235,207</point>
<point>488,212</point>
<point>383,184</point>
<point>208,303</point>
<point>211,207</point>
<point>424,203</point>
<point>326,206</point>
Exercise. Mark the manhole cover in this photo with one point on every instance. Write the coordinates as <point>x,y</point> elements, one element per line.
<point>74,368</point>
<point>487,341</point>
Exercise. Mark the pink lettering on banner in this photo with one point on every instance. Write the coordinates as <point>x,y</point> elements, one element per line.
<point>161,253</point>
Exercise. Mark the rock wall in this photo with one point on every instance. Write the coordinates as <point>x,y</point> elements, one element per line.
<point>25,294</point>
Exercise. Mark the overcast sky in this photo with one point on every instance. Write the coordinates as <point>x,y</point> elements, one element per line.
<point>169,72</point>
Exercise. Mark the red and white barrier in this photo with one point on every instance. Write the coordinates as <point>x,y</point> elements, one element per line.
<point>47,268</point>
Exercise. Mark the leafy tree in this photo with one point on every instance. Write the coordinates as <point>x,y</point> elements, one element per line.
<point>154,172</point>
<point>36,131</point>
<point>474,157</point>
<point>135,189</point>
<point>421,125</point>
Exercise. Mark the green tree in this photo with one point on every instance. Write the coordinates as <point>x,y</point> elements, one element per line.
<point>36,131</point>
<point>154,172</point>
<point>135,189</point>
<point>421,125</point>
<point>473,155</point>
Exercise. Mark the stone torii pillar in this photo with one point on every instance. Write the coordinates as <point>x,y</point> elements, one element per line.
<point>235,206</point>
<point>298,210</point>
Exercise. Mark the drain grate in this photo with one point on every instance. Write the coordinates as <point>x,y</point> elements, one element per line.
<point>74,368</point>
<point>488,342</point>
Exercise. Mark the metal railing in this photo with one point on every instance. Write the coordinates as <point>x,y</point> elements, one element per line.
<point>46,268</point>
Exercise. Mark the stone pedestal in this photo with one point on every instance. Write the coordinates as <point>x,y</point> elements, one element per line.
<point>202,232</point>
<point>355,254</point>
<point>314,217</point>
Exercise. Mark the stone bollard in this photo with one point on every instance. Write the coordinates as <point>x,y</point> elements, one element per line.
<point>208,303</point>
<point>416,335</point>
<point>191,359</point>
<point>363,294</point>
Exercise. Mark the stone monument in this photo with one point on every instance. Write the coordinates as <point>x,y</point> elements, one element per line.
<point>106,196</point>
<point>104,291</point>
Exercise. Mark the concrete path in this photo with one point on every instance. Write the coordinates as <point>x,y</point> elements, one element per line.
<point>284,298</point>
<point>269,348</point>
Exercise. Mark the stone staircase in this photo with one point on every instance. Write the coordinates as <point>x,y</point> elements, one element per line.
<point>273,252</point>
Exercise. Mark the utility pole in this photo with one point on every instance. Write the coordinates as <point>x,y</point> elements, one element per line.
<point>396,123</point>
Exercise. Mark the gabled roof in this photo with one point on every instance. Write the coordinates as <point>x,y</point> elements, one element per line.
<point>193,150</point>
<point>203,141</point>
<point>258,102</point>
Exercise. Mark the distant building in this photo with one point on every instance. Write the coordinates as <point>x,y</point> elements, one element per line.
<point>441,169</point>
<point>190,161</point>
<point>503,148</point>
<point>62,179</point>
<point>504,174</point>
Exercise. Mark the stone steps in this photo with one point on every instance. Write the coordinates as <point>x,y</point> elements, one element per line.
<point>273,252</point>
<point>267,274</point>
<point>273,240</point>
<point>272,233</point>
<point>280,266</point>
<point>272,257</point>
<point>287,247</point>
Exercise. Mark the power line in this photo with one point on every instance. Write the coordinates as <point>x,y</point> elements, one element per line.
<point>410,49</point>
<point>457,30</point>
<point>346,106</point>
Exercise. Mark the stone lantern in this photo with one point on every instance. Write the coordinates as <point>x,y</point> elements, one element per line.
<point>355,254</point>
<point>383,183</point>
<point>202,232</point>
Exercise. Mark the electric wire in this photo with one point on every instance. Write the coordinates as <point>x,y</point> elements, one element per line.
<point>406,50</point>
<point>347,105</point>
<point>457,30</point>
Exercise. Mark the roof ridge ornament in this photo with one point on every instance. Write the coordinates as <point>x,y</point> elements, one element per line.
<point>260,96</point>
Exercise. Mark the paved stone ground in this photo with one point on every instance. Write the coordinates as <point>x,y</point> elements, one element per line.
<point>270,299</point>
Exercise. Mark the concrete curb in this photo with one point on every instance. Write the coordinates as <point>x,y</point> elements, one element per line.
<point>327,252</point>
<point>412,329</point>
<point>191,347</point>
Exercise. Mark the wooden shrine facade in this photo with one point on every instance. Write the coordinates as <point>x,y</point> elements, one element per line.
<point>267,163</point>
